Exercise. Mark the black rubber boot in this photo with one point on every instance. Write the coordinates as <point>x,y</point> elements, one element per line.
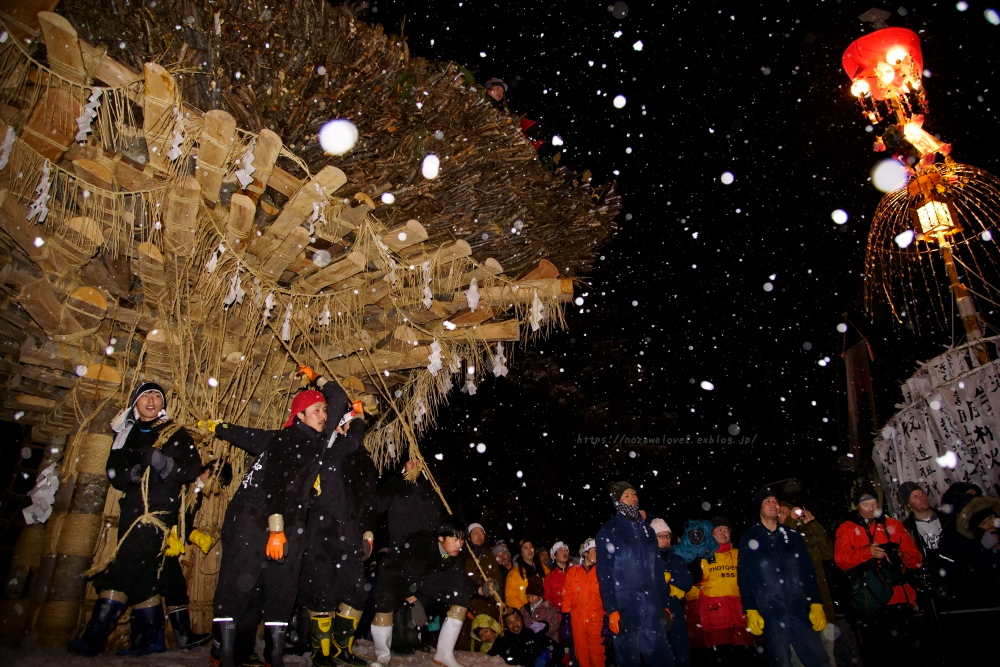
<point>180,621</point>
<point>343,641</point>
<point>401,643</point>
<point>321,640</point>
<point>147,631</point>
<point>274,645</point>
<point>223,643</point>
<point>102,621</point>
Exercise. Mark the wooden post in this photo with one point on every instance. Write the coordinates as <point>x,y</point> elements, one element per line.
<point>214,144</point>
<point>158,109</point>
<point>52,126</point>
<point>265,153</point>
<point>180,223</point>
<point>62,46</point>
<point>240,224</point>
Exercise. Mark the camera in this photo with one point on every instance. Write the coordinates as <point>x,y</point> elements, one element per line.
<point>799,512</point>
<point>696,536</point>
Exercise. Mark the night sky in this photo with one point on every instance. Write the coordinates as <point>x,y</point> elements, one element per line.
<point>741,286</point>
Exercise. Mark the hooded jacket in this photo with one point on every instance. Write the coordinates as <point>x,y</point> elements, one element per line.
<point>851,549</point>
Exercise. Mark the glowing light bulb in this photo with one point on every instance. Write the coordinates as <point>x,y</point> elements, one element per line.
<point>885,72</point>
<point>896,56</point>
<point>860,87</point>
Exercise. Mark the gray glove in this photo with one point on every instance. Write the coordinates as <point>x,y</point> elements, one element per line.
<point>490,586</point>
<point>161,463</point>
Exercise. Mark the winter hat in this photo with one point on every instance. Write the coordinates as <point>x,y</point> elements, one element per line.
<point>535,587</point>
<point>557,546</point>
<point>468,531</point>
<point>905,490</point>
<point>587,545</point>
<point>785,503</point>
<point>302,401</point>
<point>495,81</point>
<point>723,521</point>
<point>499,548</point>
<point>659,526</point>
<point>864,492</point>
<point>121,424</point>
<point>618,488</point>
<point>758,500</point>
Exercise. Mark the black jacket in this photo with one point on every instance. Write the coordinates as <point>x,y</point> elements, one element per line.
<point>522,648</point>
<point>280,480</point>
<point>126,466</point>
<point>411,506</point>
<point>346,505</point>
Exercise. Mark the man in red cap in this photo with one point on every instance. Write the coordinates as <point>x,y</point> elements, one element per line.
<point>263,536</point>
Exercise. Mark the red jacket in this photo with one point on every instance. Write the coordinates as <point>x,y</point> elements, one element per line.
<point>582,595</point>
<point>851,549</point>
<point>555,580</point>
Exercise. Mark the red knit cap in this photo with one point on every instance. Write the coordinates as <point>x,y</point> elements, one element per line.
<point>303,401</point>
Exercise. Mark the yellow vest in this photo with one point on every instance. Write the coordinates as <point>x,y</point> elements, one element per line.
<point>719,577</point>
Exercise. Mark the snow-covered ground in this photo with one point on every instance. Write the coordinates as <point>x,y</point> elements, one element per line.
<point>46,657</point>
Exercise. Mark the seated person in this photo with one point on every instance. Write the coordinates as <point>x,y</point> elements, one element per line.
<point>485,630</point>
<point>521,645</point>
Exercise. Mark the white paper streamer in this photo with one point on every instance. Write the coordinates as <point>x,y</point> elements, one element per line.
<point>499,362</point>
<point>85,121</point>
<point>39,207</point>
<point>175,144</point>
<point>428,295</point>
<point>472,295</point>
<point>247,168</point>
<point>434,364</point>
<point>469,388</point>
<point>236,292</point>
<point>324,317</point>
<point>268,304</point>
<point>213,261</point>
<point>286,326</point>
<point>8,145</point>
<point>42,496</point>
<point>537,313</point>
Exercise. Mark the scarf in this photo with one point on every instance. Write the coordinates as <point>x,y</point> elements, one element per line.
<point>628,511</point>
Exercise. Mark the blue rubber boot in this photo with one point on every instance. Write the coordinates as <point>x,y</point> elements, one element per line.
<point>102,621</point>
<point>147,631</point>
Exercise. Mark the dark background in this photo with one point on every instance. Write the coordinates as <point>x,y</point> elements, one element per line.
<point>755,89</point>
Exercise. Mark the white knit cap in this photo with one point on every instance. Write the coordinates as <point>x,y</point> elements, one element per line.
<point>468,531</point>
<point>660,526</point>
<point>557,546</point>
<point>588,544</point>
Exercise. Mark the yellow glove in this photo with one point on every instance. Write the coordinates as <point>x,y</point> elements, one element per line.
<point>755,623</point>
<point>202,540</point>
<point>209,424</point>
<point>666,577</point>
<point>676,592</point>
<point>175,545</point>
<point>817,617</point>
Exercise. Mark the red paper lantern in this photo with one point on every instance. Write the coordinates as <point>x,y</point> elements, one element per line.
<point>868,59</point>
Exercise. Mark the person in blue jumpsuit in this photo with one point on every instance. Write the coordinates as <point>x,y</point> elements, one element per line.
<point>633,589</point>
<point>680,581</point>
<point>779,590</point>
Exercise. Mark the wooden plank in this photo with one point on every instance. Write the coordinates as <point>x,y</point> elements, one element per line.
<point>351,265</point>
<point>52,126</point>
<point>283,182</point>
<point>22,15</point>
<point>214,143</point>
<point>240,226</point>
<point>507,330</point>
<point>543,271</point>
<point>14,221</point>
<point>158,113</point>
<point>402,237</point>
<point>274,264</point>
<point>40,301</point>
<point>487,269</point>
<point>265,153</point>
<point>524,291</point>
<point>180,221</point>
<point>109,70</point>
<point>444,254</point>
<point>62,46</point>
<point>362,365</point>
<point>149,266</point>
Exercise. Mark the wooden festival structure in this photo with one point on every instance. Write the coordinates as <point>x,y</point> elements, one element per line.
<point>167,215</point>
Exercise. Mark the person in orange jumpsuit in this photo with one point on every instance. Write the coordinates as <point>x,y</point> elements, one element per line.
<point>582,609</point>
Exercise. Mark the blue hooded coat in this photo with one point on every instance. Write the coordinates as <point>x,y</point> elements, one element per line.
<point>630,575</point>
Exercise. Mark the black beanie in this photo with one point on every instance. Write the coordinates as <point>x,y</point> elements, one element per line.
<point>758,500</point>
<point>722,521</point>
<point>618,488</point>
<point>142,389</point>
<point>863,490</point>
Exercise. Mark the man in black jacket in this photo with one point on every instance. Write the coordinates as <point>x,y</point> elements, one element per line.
<point>411,507</point>
<point>520,645</point>
<point>263,535</point>
<point>431,568</point>
<point>155,457</point>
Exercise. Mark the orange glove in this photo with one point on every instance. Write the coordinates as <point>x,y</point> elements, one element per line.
<point>276,545</point>
<point>613,619</point>
<point>309,373</point>
<point>358,408</point>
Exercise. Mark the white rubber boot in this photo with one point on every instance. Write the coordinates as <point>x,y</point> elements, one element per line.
<point>447,639</point>
<point>382,638</point>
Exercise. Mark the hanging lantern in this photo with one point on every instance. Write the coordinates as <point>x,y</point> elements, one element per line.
<point>885,69</point>
<point>933,213</point>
